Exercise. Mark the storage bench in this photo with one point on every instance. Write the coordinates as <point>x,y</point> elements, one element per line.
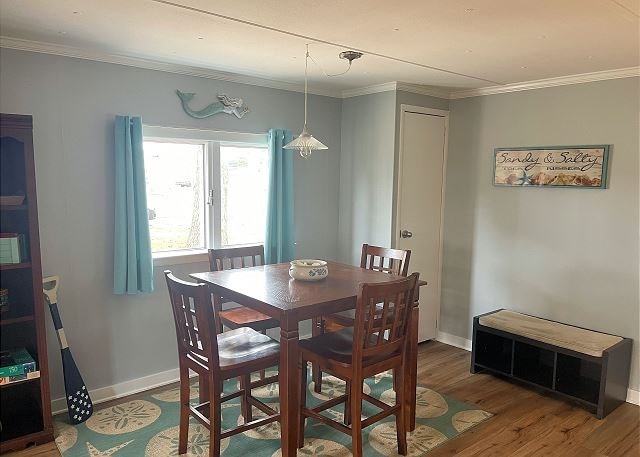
<point>588,367</point>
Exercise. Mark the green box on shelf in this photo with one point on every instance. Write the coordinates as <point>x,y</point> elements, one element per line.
<point>16,363</point>
<point>13,248</point>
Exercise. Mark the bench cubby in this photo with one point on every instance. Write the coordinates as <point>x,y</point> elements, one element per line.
<point>590,368</point>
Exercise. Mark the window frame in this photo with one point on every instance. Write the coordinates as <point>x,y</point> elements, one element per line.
<point>211,140</point>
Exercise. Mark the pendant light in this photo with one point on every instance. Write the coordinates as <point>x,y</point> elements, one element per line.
<point>305,142</point>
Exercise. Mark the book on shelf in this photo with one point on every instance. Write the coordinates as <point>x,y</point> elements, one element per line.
<point>17,365</point>
<point>13,248</point>
<point>11,379</point>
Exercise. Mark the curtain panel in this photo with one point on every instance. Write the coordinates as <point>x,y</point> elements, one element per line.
<point>279,239</point>
<point>133,262</point>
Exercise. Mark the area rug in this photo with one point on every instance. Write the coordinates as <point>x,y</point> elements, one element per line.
<point>148,426</point>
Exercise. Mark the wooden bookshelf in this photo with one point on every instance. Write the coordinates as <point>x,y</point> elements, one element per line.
<point>14,266</point>
<point>16,320</point>
<point>25,406</point>
<point>13,207</point>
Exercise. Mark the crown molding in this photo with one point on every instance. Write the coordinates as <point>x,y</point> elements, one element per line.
<point>396,85</point>
<point>199,72</point>
<point>150,64</point>
<point>631,72</point>
<point>438,92</point>
<point>367,90</point>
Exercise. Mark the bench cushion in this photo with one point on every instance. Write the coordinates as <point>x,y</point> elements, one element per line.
<point>554,333</point>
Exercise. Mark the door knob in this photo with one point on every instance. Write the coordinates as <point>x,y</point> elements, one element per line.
<point>406,234</point>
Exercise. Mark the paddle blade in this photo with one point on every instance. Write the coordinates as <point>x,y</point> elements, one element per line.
<point>78,399</point>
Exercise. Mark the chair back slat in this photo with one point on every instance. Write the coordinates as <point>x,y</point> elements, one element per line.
<point>232,258</point>
<point>194,320</point>
<point>386,260</point>
<point>382,317</point>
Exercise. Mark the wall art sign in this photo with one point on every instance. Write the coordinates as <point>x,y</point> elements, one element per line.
<point>552,166</point>
<point>228,105</point>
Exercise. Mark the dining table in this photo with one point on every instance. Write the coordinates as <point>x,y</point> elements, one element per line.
<point>270,290</point>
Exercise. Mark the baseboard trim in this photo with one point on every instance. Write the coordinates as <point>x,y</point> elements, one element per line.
<point>134,386</point>
<point>453,340</point>
<point>633,396</point>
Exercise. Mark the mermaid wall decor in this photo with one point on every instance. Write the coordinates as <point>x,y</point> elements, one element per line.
<point>224,104</point>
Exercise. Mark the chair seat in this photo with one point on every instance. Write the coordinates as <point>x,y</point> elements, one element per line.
<point>337,346</point>
<point>244,345</point>
<point>242,316</point>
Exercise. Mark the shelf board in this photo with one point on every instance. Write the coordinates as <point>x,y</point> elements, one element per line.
<point>532,382</point>
<point>19,383</point>
<point>14,266</point>
<point>13,207</point>
<point>16,319</point>
<point>21,442</point>
<point>493,369</point>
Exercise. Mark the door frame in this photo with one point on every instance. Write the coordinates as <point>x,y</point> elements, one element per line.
<point>396,216</point>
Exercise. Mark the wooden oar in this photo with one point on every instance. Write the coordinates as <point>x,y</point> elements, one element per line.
<point>78,400</point>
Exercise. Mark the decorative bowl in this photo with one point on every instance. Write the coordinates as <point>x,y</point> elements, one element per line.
<point>308,270</point>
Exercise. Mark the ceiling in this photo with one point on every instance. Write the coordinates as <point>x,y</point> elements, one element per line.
<point>478,43</point>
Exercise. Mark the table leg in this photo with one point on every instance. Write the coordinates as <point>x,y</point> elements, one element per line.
<point>411,373</point>
<point>289,384</point>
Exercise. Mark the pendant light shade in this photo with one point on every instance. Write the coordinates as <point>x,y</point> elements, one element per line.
<point>305,143</point>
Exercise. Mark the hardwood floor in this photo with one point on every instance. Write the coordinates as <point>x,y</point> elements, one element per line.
<point>526,422</point>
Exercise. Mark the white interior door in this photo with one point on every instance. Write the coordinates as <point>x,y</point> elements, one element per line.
<point>419,209</point>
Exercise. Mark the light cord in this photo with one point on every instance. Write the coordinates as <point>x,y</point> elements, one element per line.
<point>324,72</point>
<point>306,65</point>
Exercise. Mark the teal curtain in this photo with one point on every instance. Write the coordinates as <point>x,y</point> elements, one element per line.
<point>133,263</point>
<point>279,239</point>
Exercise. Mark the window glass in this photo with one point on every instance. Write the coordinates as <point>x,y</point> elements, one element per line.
<point>175,195</point>
<point>243,195</point>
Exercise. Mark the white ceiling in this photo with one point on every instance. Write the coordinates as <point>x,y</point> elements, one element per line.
<point>480,43</point>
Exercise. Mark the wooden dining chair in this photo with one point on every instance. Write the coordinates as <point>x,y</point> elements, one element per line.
<point>241,316</point>
<point>386,260</point>
<point>376,343</point>
<point>215,358</point>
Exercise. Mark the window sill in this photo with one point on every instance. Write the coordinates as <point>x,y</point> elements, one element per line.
<point>161,259</point>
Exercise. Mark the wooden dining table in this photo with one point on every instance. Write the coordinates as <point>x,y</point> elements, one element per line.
<point>270,290</point>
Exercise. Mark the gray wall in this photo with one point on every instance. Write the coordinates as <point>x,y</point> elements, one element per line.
<point>366,173</point>
<point>73,102</point>
<point>565,254</point>
<point>368,168</point>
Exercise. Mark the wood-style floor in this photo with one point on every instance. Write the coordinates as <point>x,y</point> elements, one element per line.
<point>526,422</point>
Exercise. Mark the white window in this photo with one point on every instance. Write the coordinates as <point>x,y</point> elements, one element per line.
<point>204,193</point>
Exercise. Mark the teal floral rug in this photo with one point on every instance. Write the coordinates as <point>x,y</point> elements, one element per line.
<point>148,426</point>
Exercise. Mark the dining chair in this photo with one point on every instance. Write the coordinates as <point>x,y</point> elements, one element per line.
<point>241,316</point>
<point>216,357</point>
<point>375,344</point>
<point>386,260</point>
